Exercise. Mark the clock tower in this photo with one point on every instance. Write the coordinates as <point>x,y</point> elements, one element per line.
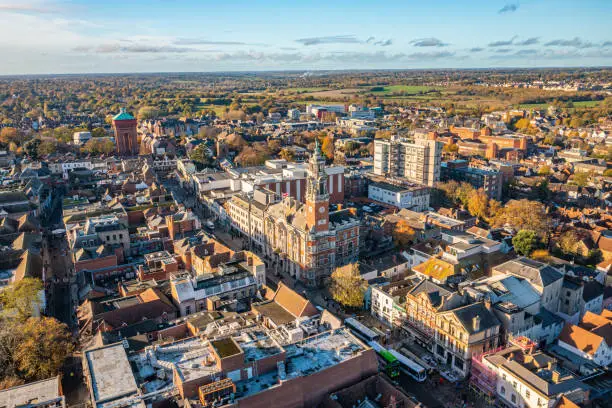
<point>317,196</point>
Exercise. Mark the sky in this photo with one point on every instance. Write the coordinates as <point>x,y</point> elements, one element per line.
<point>112,36</point>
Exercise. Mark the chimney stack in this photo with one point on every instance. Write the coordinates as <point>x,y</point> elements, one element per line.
<point>556,376</point>
<point>476,323</point>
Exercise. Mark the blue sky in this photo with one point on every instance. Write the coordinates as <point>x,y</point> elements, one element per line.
<point>82,36</point>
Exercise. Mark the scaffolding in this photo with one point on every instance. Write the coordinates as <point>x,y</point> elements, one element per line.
<point>483,380</point>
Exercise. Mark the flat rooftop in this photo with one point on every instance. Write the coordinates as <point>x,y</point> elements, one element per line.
<point>111,376</point>
<point>188,356</point>
<point>226,347</point>
<point>307,357</point>
<point>37,392</point>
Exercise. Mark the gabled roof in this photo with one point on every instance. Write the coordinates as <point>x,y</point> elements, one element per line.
<point>30,266</point>
<point>565,402</point>
<point>293,303</point>
<point>467,314</point>
<point>434,293</point>
<point>581,339</point>
<point>592,290</point>
<point>538,273</point>
<point>26,240</point>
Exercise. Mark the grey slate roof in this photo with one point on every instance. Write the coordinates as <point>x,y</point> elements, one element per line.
<point>538,273</point>
<point>466,315</point>
<point>592,290</point>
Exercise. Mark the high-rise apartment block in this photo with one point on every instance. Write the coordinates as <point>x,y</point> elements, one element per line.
<point>417,161</point>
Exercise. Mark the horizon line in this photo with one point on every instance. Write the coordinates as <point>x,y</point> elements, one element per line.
<point>347,70</point>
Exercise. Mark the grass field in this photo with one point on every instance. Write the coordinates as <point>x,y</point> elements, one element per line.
<point>412,89</point>
<point>300,90</point>
<point>321,102</point>
<point>577,104</point>
<point>533,106</point>
<point>586,104</point>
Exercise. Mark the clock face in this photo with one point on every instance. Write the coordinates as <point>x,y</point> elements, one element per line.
<point>321,210</point>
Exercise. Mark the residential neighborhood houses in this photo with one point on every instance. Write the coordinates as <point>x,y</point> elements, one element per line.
<point>325,255</point>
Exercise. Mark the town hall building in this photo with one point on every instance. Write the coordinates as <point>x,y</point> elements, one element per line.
<point>306,240</point>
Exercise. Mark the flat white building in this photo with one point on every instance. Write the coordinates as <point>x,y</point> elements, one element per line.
<point>80,138</point>
<point>415,198</point>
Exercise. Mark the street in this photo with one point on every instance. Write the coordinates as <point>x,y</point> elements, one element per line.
<point>423,392</point>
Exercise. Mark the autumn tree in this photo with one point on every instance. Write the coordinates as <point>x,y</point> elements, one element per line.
<point>581,179</point>
<point>463,194</point>
<point>99,146</point>
<point>544,170</point>
<point>478,204</point>
<point>98,132</point>
<point>525,242</point>
<point>383,134</point>
<point>541,255</point>
<point>21,300</point>
<point>346,286</point>
<point>568,242</point>
<point>252,156</point>
<point>522,124</point>
<point>447,190</point>
<point>9,134</point>
<point>494,208</point>
<point>403,234</point>
<point>327,147</point>
<point>523,215</point>
<point>450,148</point>
<point>287,154</point>
<point>44,346</point>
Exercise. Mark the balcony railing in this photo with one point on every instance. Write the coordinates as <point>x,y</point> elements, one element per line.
<point>418,329</point>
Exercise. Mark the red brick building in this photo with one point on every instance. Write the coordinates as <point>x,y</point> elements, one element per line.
<point>126,136</point>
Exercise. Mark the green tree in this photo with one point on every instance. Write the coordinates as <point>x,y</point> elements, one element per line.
<point>199,155</point>
<point>525,242</point>
<point>148,112</point>
<point>107,146</point>
<point>31,148</point>
<point>346,286</point>
<point>63,134</point>
<point>98,132</point>
<point>46,148</point>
